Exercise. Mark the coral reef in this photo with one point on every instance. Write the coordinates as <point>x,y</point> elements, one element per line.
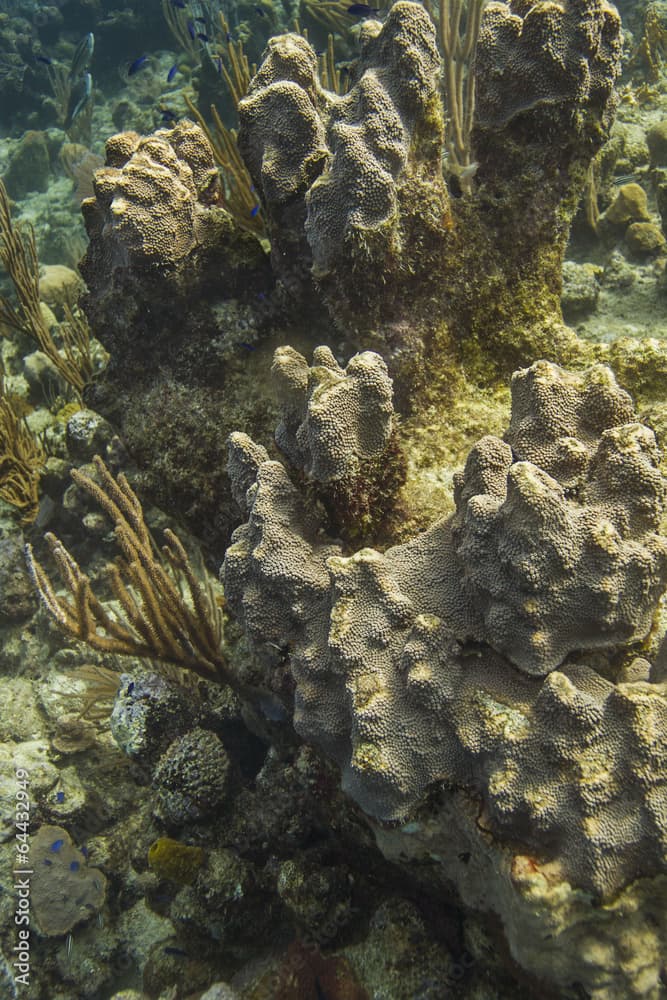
<point>337,197</point>
<point>553,549</point>
<point>365,236</point>
<point>365,140</point>
<point>489,677</point>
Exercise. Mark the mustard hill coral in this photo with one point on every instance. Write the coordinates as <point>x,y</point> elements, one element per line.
<point>387,681</point>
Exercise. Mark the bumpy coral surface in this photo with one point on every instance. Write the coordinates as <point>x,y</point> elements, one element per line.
<point>335,168</point>
<point>388,683</point>
<point>147,198</point>
<point>333,418</point>
<point>559,57</point>
<point>556,529</point>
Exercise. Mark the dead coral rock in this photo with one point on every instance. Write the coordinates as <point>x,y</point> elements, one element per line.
<point>629,205</point>
<point>644,239</point>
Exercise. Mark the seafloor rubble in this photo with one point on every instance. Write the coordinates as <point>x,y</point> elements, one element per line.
<point>448,773</point>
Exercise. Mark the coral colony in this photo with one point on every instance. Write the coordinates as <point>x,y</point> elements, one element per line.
<point>356,552</point>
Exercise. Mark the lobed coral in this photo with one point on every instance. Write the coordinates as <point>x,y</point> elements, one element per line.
<point>336,192</point>
<point>446,676</point>
<point>537,562</point>
<point>556,529</point>
<point>148,198</point>
<point>332,418</point>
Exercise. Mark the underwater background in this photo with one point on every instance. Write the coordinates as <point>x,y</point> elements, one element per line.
<point>333,531</point>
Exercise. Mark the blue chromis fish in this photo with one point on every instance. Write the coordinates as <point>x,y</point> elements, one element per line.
<point>56,845</point>
<point>362,10</point>
<point>172,72</point>
<point>83,53</point>
<point>45,60</point>
<point>80,94</point>
<point>254,210</point>
<point>137,65</point>
<point>178,3</point>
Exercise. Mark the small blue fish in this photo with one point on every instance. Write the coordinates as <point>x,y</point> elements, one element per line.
<point>218,64</point>
<point>84,850</point>
<point>130,687</point>
<point>202,37</point>
<point>178,3</point>
<point>137,65</point>
<point>60,797</point>
<point>172,72</point>
<point>228,37</point>
<point>253,211</point>
<point>45,60</point>
<point>74,866</point>
<point>56,845</point>
<point>245,345</point>
<point>362,10</point>
<point>201,20</point>
<point>191,30</point>
<point>168,116</point>
<point>258,10</point>
<point>170,950</point>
